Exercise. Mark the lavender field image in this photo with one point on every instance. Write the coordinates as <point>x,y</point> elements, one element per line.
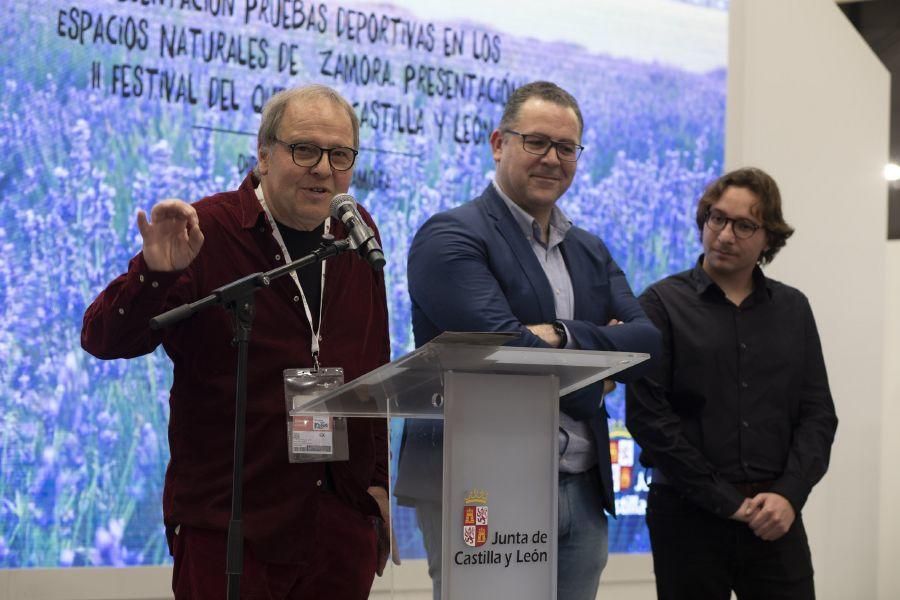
<point>108,106</point>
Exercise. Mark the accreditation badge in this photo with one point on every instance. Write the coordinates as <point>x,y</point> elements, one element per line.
<point>313,437</point>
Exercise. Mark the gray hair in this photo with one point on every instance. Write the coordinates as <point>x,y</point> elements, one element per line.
<point>274,109</point>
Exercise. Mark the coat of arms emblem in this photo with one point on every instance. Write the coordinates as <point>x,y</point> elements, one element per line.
<point>475,518</point>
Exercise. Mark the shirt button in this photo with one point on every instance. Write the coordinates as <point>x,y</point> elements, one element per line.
<point>277,257</point>
<point>262,229</point>
<point>743,346</point>
<point>121,311</point>
<point>745,423</point>
<point>296,298</point>
<point>155,284</point>
<point>744,385</point>
<point>141,278</point>
<point>319,483</point>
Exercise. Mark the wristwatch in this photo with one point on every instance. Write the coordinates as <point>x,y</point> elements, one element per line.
<point>560,330</point>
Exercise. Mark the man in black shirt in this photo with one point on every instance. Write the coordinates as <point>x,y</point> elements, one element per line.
<point>737,421</point>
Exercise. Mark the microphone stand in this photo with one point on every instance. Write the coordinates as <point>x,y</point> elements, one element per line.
<point>238,298</point>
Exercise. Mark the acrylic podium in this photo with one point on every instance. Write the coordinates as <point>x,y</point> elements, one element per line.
<point>498,489</point>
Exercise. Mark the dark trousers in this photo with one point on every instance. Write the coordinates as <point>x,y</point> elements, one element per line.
<point>699,556</point>
<point>342,568</point>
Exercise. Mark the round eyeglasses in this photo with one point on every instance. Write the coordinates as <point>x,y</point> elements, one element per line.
<point>540,145</point>
<point>742,228</point>
<point>305,154</point>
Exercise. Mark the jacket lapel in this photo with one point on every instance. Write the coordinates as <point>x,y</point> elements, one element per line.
<point>511,232</point>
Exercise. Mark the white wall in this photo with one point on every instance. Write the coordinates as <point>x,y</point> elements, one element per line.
<point>888,521</point>
<point>143,583</point>
<point>809,102</point>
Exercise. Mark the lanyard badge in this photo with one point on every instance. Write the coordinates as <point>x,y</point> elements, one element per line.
<point>310,438</point>
<point>313,437</point>
<point>316,330</point>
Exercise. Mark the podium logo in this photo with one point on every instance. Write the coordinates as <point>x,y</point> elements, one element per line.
<point>475,518</point>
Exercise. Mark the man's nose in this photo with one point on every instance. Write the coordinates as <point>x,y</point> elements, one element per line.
<point>727,232</point>
<point>551,157</point>
<point>323,167</point>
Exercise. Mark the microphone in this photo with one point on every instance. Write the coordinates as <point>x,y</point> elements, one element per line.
<point>362,239</point>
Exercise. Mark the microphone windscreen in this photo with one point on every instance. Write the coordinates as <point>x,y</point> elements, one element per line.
<point>338,201</point>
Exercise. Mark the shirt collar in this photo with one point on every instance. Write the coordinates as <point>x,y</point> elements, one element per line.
<point>703,283</point>
<point>251,209</point>
<point>558,219</point>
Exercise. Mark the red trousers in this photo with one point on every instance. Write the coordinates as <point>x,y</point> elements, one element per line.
<point>342,568</point>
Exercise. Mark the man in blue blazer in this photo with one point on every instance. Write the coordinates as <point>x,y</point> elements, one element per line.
<point>510,260</point>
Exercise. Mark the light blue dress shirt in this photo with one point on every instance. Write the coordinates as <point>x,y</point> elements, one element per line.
<point>576,442</point>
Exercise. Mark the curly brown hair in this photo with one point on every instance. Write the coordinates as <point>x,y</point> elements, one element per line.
<point>769,208</point>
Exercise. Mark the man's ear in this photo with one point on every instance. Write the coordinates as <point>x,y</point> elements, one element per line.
<point>263,154</point>
<point>497,144</point>
<point>762,253</point>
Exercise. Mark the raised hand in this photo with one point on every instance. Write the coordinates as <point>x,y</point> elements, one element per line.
<point>172,237</point>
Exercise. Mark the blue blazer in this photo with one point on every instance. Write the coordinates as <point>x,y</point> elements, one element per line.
<point>472,269</point>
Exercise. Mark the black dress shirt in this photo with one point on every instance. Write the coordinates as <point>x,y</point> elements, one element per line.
<point>740,393</point>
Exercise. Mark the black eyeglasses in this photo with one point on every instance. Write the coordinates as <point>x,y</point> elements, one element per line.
<point>305,154</point>
<point>742,228</point>
<point>540,145</point>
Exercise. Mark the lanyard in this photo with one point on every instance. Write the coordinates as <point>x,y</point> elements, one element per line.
<point>287,258</point>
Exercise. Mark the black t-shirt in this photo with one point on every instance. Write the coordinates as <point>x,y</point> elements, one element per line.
<point>299,244</point>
